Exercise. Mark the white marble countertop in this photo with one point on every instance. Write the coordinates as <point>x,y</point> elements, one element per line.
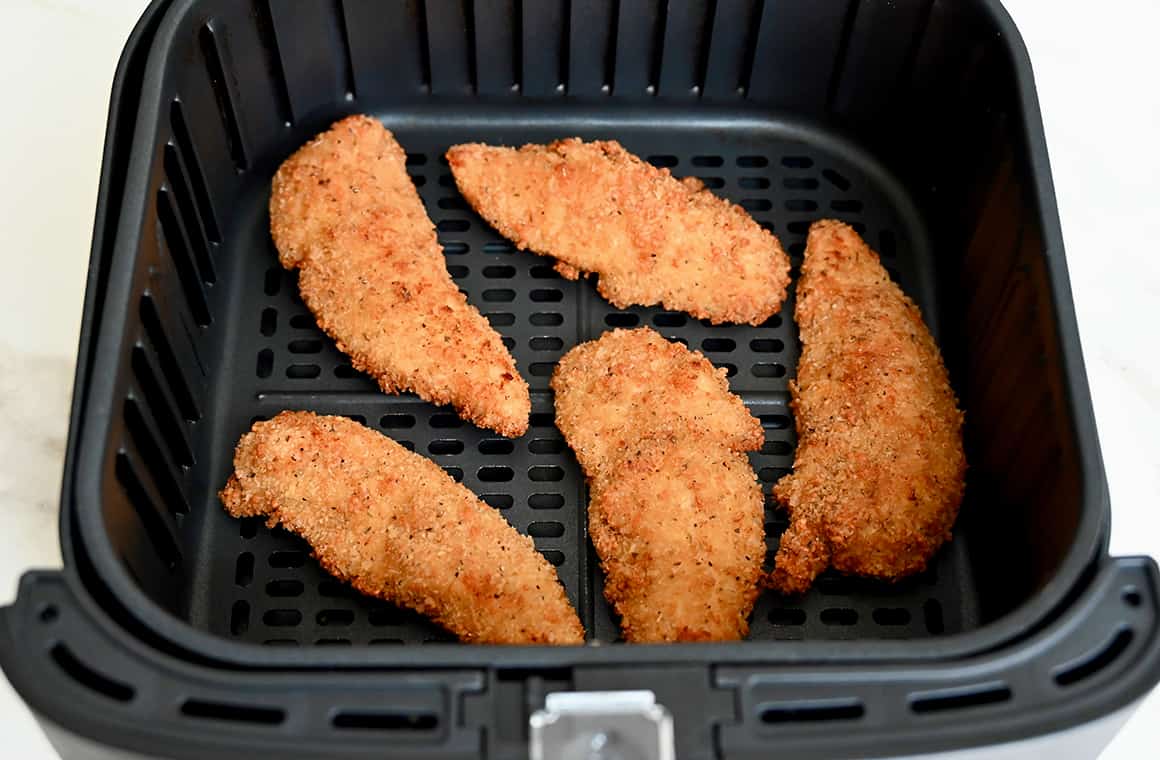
<point>1094,68</point>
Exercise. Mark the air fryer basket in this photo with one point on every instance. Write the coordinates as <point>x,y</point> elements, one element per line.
<point>914,120</point>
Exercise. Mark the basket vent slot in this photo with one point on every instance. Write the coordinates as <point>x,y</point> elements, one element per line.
<point>932,616</point>
<point>210,49</point>
<point>335,589</point>
<point>660,23</point>
<point>445,447</point>
<point>287,558</point>
<point>445,420</point>
<point>343,33</point>
<point>891,616</point>
<point>185,147</point>
<point>1093,662</point>
<point>397,421</point>
<point>282,618</point>
<point>385,721</point>
<point>812,712</point>
<point>787,616</point>
<point>197,708</point>
<point>244,569</point>
<point>89,678</point>
<point>495,474</point>
<point>265,365</point>
<point>158,401</point>
<point>149,511</point>
<point>621,319</point>
<point>388,615</point>
<point>240,617</point>
<point>264,22</point>
<point>546,501</point>
<point>838,615</point>
<point>305,346</point>
<point>544,272</point>
<point>178,247</point>
<point>545,473</point>
<point>718,345</point>
<point>546,344</point>
<point>836,179</point>
<point>498,500</point>
<point>496,446</point>
<point>546,529</point>
<point>335,617</point>
<point>269,322</point>
<point>669,319</point>
<point>183,198</point>
<point>774,421</point>
<point>303,321</point>
<point>303,371</point>
<point>768,370</point>
<point>978,695</point>
<point>546,446</point>
<point>248,526</point>
<point>284,587</point>
<point>163,471</point>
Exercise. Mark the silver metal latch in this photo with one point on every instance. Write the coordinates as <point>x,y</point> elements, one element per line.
<point>602,725</point>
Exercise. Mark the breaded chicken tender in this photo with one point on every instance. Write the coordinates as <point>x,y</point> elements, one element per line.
<point>634,384</point>
<point>396,526</point>
<point>344,212</point>
<point>679,533</point>
<point>653,239</point>
<point>675,511</point>
<point>879,468</point>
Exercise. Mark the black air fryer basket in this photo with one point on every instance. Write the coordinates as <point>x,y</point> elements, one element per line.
<point>176,631</point>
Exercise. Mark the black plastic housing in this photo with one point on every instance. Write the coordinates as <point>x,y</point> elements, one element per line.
<point>915,120</point>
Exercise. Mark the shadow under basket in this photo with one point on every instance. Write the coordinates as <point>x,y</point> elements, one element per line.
<point>176,630</point>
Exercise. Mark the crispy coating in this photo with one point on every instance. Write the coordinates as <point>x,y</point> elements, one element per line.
<point>675,512</point>
<point>394,525</point>
<point>634,384</point>
<point>879,468</point>
<point>679,532</point>
<point>595,207</point>
<point>345,213</point>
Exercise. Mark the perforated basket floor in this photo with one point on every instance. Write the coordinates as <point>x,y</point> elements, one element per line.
<point>262,586</point>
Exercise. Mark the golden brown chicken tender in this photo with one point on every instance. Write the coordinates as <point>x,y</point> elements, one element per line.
<point>634,384</point>
<point>345,213</point>
<point>879,468</point>
<point>653,239</point>
<point>675,512</point>
<point>394,525</point>
<point>679,533</point>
